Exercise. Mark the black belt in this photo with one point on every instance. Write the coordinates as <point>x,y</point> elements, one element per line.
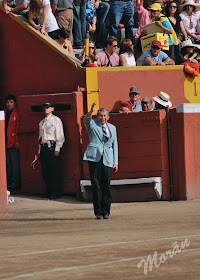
<point>45,145</point>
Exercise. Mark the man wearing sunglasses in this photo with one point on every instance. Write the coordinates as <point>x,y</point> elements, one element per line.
<point>155,56</point>
<point>108,57</point>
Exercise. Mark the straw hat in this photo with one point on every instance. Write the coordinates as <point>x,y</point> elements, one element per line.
<point>189,2</point>
<point>163,99</point>
<point>188,43</point>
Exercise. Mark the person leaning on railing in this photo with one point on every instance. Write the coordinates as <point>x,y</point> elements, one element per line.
<point>47,22</point>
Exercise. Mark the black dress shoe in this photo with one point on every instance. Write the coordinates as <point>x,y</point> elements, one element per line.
<point>45,195</point>
<point>106,216</point>
<point>99,217</point>
<point>54,196</point>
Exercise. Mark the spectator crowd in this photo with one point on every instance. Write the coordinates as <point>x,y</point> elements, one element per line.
<point>67,21</point>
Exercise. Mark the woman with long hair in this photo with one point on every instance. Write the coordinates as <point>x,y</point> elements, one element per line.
<point>62,38</point>
<point>93,57</point>
<point>172,12</point>
<point>126,53</point>
<point>42,10</point>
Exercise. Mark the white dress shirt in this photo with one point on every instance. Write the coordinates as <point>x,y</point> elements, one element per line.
<point>51,128</point>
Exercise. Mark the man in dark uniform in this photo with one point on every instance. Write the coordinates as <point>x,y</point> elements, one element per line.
<point>51,139</point>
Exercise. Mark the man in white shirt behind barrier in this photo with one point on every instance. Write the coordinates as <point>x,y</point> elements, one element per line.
<point>51,139</point>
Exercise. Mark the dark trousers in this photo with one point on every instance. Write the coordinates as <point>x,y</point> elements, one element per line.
<point>12,168</point>
<point>100,176</point>
<point>51,172</point>
<point>79,25</point>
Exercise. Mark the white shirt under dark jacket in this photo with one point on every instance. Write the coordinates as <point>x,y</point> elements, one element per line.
<point>51,128</point>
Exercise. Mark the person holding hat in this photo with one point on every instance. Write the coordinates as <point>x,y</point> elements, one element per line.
<point>155,56</point>
<point>187,52</point>
<point>147,104</point>
<point>134,96</point>
<point>191,19</point>
<point>162,101</point>
<point>51,139</point>
<point>163,22</point>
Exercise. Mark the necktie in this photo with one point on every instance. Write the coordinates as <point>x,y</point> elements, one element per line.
<point>105,134</point>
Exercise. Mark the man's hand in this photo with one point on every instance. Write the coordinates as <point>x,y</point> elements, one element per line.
<point>115,168</point>
<point>56,154</point>
<point>93,106</point>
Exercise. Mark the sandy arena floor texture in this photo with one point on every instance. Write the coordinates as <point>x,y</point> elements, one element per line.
<point>50,240</point>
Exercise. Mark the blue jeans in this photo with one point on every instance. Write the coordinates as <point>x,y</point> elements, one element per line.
<point>117,10</point>
<point>79,24</point>
<point>102,11</point>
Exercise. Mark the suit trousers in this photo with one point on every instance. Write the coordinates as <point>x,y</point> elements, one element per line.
<point>100,176</point>
<point>51,172</point>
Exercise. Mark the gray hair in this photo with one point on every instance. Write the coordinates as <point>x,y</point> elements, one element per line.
<point>102,110</point>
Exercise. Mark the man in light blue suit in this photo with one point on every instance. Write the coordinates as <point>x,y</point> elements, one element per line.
<point>102,157</point>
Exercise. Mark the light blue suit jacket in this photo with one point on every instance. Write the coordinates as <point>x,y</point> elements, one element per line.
<point>98,147</point>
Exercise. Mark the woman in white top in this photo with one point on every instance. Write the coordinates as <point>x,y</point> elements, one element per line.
<point>42,10</point>
<point>126,53</point>
<point>191,19</point>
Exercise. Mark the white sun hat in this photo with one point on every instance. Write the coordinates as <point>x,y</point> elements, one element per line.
<point>189,2</point>
<point>163,99</point>
<point>188,43</point>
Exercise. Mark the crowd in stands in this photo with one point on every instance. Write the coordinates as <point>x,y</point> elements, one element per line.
<point>162,101</point>
<point>67,22</point>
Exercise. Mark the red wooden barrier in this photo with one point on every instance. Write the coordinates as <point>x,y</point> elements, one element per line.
<point>3,181</point>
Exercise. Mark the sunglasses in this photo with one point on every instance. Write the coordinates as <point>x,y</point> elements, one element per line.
<point>173,7</point>
<point>92,48</point>
<point>114,46</point>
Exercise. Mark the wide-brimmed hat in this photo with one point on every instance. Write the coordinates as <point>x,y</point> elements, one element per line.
<point>163,99</point>
<point>188,43</point>
<point>189,2</point>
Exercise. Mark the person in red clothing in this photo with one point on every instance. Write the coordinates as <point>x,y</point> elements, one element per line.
<point>12,143</point>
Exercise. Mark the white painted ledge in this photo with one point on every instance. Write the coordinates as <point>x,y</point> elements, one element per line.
<point>156,180</point>
<point>188,108</point>
<point>2,116</point>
